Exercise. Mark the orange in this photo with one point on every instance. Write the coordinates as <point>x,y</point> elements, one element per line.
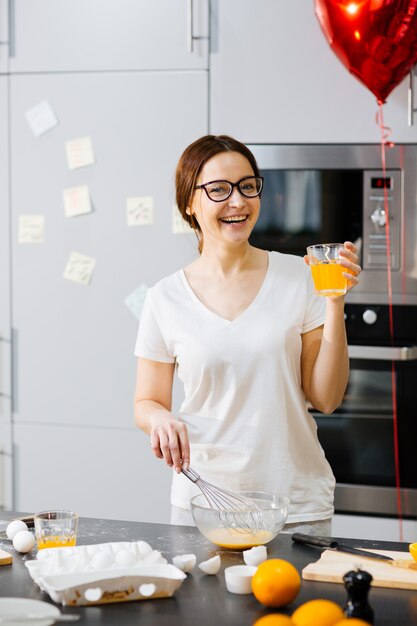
<point>276,582</point>
<point>318,613</point>
<point>353,621</point>
<point>274,619</point>
<point>413,550</point>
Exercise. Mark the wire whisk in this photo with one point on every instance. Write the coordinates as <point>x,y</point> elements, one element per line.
<point>235,511</point>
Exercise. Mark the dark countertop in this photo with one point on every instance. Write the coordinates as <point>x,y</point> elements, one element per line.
<point>203,599</point>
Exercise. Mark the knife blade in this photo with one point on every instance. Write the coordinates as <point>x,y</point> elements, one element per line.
<point>325,542</point>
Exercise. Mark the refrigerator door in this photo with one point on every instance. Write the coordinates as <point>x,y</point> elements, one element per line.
<point>74,353</point>
<point>75,443</point>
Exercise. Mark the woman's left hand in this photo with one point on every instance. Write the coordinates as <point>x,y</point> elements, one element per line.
<point>350,262</point>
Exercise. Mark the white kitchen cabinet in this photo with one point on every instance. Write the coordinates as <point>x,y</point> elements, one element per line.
<point>92,35</point>
<point>109,473</point>
<point>74,343</point>
<point>274,79</point>
<point>74,439</point>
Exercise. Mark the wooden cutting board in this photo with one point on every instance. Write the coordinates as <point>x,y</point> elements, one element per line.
<point>332,566</point>
<point>5,557</point>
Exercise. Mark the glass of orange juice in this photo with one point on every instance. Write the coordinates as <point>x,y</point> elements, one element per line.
<point>56,529</point>
<point>326,270</point>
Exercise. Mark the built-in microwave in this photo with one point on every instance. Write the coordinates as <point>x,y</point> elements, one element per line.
<point>324,193</point>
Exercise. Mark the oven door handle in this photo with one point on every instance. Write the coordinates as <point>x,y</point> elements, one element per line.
<point>382,353</point>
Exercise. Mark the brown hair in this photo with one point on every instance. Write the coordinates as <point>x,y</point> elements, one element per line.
<point>190,165</point>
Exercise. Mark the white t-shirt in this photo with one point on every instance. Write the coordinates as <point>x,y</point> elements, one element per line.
<point>244,408</point>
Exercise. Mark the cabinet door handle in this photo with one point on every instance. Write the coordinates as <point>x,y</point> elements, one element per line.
<point>191,38</point>
<point>190,27</point>
<point>13,391</point>
<point>10,27</point>
<point>411,108</point>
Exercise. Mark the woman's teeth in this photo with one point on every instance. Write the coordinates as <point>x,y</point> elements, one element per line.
<point>233,220</point>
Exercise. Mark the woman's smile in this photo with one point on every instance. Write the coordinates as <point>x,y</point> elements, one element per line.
<point>234,221</point>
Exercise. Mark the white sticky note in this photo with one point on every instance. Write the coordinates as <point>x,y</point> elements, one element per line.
<point>135,300</point>
<point>139,211</point>
<point>179,226</point>
<point>41,118</point>
<point>31,229</point>
<point>77,201</point>
<point>79,268</point>
<point>79,152</point>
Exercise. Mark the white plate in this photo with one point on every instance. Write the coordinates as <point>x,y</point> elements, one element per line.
<point>23,606</point>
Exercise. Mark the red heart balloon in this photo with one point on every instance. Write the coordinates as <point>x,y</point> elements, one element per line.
<point>375,39</point>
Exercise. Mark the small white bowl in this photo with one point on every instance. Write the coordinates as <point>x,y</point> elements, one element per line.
<point>239,578</point>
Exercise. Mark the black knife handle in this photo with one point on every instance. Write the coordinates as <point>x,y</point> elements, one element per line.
<point>311,540</point>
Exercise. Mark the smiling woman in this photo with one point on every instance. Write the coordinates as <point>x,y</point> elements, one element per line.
<point>250,341</point>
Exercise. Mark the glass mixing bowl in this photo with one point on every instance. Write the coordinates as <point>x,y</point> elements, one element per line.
<point>248,528</point>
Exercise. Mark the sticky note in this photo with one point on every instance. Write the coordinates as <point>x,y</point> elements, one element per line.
<point>77,201</point>
<point>135,300</point>
<point>79,152</point>
<point>79,268</point>
<point>31,229</point>
<point>41,118</point>
<point>179,226</point>
<point>139,211</point>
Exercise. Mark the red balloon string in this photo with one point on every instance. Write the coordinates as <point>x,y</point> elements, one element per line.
<point>385,132</point>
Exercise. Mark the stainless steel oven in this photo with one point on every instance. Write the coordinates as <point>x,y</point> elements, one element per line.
<point>358,438</point>
<point>318,193</point>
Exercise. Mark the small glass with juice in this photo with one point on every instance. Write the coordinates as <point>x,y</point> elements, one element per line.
<point>56,529</point>
<point>326,269</point>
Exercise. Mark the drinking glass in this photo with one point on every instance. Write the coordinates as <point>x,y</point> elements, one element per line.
<point>56,529</point>
<point>327,272</point>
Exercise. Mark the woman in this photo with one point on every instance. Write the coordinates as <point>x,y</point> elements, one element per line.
<point>250,341</point>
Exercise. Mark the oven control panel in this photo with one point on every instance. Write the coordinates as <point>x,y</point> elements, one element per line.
<point>382,218</point>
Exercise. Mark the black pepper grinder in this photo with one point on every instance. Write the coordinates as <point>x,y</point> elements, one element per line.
<point>357,583</point>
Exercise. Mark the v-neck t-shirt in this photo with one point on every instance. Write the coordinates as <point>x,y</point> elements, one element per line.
<point>245,410</point>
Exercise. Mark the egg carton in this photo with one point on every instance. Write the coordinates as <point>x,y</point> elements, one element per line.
<point>104,573</point>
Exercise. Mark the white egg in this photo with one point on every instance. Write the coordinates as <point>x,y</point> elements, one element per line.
<point>101,560</point>
<point>255,555</point>
<point>124,558</point>
<point>211,566</point>
<point>23,541</point>
<point>14,527</point>
<point>185,562</point>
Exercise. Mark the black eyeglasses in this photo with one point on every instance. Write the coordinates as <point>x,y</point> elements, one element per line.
<point>220,190</point>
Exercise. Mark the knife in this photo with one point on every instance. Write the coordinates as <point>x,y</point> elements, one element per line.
<point>324,542</point>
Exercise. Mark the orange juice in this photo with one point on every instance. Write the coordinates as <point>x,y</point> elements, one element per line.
<point>235,540</point>
<point>328,277</point>
<point>56,541</point>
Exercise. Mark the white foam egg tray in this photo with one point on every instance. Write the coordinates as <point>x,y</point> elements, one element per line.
<point>104,573</point>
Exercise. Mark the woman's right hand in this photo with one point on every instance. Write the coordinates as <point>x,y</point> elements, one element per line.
<point>169,440</point>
